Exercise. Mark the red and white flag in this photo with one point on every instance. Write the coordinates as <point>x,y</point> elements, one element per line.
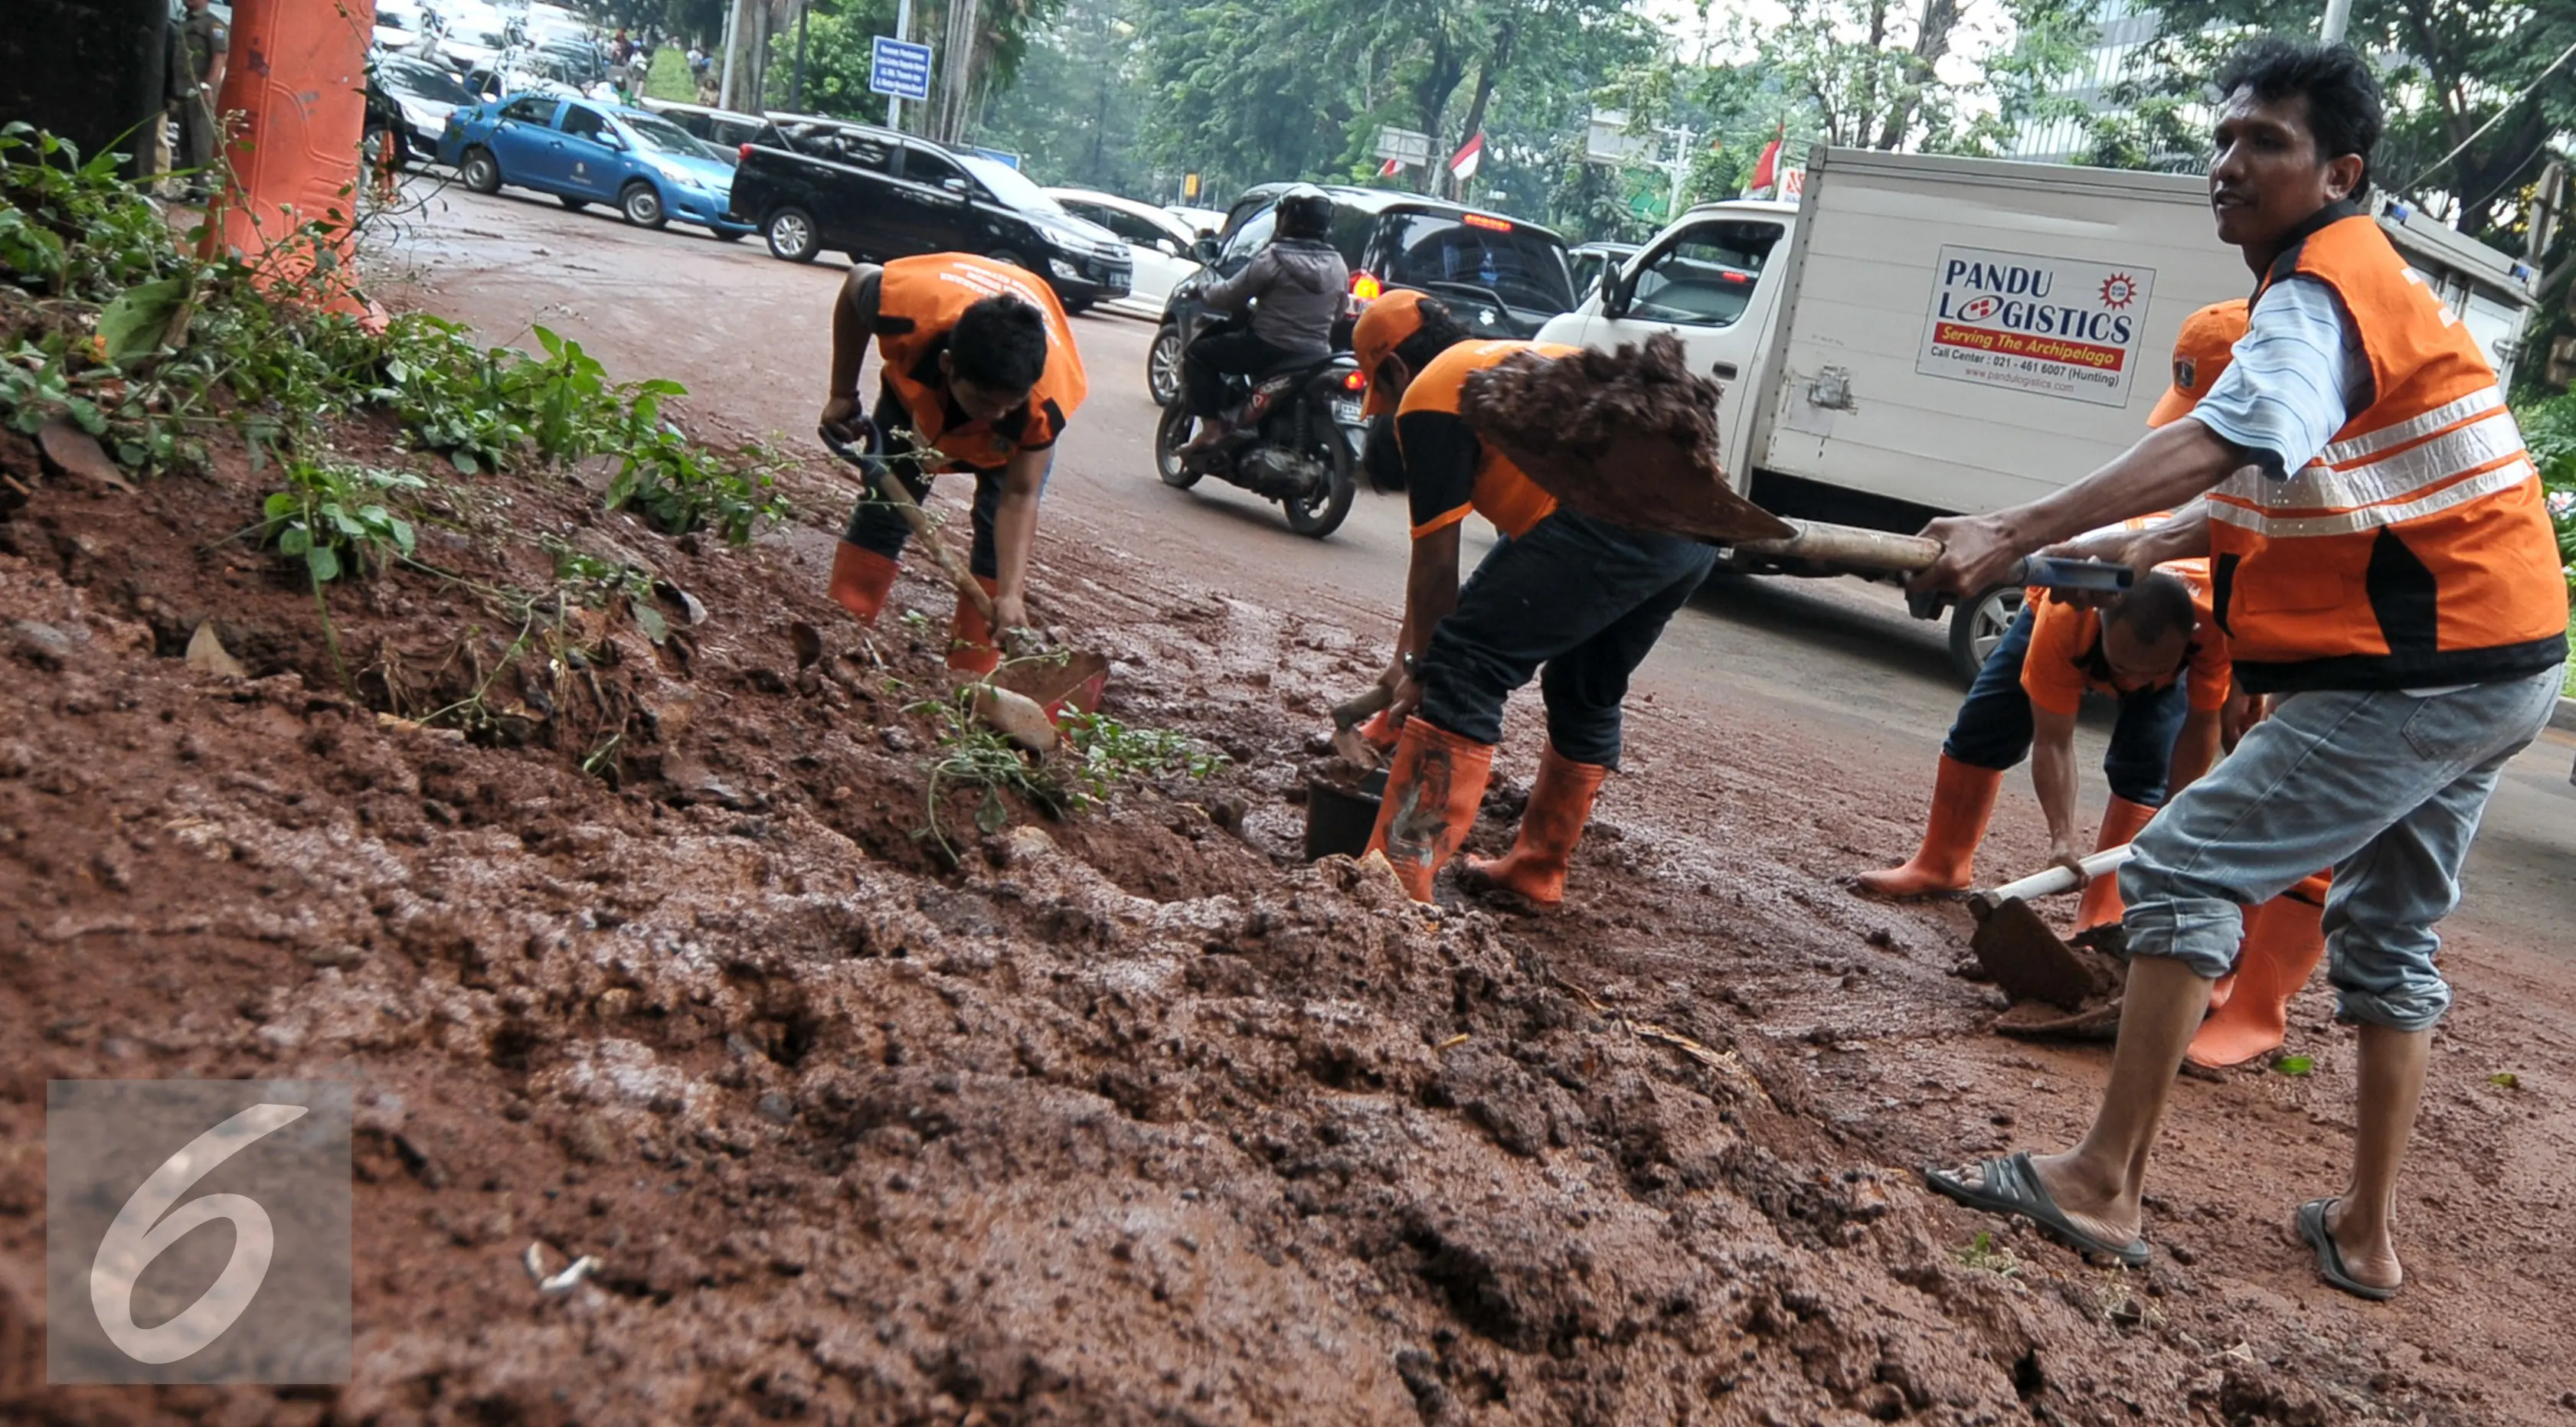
<point>1462,164</point>
<point>1390,168</point>
<point>1766,170</point>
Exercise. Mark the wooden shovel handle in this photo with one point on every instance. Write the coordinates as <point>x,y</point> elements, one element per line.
<point>2056,879</point>
<point>890,488</point>
<point>1849,545</point>
<point>1351,712</point>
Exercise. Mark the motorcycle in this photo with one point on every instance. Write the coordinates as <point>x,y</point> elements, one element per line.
<point>1296,438</point>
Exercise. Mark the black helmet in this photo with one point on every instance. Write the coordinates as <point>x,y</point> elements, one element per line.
<point>1305,212</point>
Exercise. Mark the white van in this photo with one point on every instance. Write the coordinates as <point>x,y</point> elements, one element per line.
<point>1922,336</point>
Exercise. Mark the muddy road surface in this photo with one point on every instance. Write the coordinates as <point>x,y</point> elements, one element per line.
<point>1129,1115</point>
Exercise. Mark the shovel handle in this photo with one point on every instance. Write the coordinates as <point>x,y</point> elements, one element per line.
<point>891,490</point>
<point>1352,712</point>
<point>2056,879</point>
<point>1848,545</point>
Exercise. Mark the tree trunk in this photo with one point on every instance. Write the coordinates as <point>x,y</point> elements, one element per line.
<point>1931,43</point>
<point>1497,59</point>
<point>1431,99</point>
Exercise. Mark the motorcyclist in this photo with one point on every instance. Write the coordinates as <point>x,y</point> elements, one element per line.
<point>1295,288</point>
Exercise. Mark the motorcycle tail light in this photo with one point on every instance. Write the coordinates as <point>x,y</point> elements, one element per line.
<point>1354,381</point>
<point>1366,287</point>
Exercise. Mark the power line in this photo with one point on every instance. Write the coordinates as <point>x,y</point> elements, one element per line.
<point>2509,107</point>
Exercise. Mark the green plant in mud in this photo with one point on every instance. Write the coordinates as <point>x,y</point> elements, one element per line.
<point>1100,755</point>
<point>331,520</point>
<point>149,349</point>
<point>1986,1256</point>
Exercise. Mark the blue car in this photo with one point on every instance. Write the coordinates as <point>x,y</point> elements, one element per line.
<point>586,152</point>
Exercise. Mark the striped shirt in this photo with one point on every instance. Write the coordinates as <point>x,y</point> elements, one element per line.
<point>2291,385</point>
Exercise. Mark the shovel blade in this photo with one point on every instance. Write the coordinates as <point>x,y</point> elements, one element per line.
<point>1075,681</point>
<point>2026,959</point>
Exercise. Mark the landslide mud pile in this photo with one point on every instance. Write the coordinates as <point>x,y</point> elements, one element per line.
<point>1113,1119</point>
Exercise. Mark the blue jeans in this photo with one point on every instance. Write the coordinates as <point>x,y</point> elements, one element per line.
<point>2384,787</point>
<point>1993,729</point>
<point>1582,597</point>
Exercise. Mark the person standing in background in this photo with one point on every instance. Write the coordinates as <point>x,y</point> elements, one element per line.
<point>202,45</point>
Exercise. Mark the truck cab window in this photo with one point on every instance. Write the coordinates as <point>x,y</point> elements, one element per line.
<point>1707,277</point>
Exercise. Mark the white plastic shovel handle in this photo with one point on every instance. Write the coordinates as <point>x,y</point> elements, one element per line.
<point>2058,879</point>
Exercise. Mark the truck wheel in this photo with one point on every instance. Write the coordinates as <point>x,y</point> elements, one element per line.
<point>642,205</point>
<point>481,171</point>
<point>1979,625</point>
<point>1163,367</point>
<point>791,235</point>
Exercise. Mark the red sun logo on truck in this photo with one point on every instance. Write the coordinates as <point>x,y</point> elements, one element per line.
<point>2118,291</point>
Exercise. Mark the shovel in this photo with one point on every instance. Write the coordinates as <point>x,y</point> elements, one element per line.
<point>2025,958</point>
<point>1828,544</point>
<point>1347,718</point>
<point>1027,695</point>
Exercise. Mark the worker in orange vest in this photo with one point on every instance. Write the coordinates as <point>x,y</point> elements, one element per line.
<point>2026,696</point>
<point>2387,573</point>
<point>977,364</point>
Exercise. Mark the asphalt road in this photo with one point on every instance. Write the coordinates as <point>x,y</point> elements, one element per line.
<point>1838,660</point>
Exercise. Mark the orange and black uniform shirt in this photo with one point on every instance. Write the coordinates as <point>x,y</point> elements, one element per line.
<point>918,303</point>
<point>2065,659</point>
<point>1447,471</point>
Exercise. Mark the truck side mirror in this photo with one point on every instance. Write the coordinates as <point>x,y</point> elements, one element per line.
<point>1615,296</point>
<point>1205,250</point>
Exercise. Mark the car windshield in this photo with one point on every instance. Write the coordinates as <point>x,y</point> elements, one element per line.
<point>1009,184</point>
<point>423,81</point>
<point>663,136</point>
<point>1522,266</point>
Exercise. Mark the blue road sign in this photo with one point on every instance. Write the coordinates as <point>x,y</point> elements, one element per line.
<point>899,70</point>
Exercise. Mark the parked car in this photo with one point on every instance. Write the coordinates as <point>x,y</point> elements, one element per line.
<point>585,152</point>
<point>1503,277</point>
<point>811,184</point>
<point>402,24</point>
<point>723,130</point>
<point>1203,222</point>
<point>408,102</point>
<point>1589,263</point>
<point>1158,245</point>
<point>471,37</point>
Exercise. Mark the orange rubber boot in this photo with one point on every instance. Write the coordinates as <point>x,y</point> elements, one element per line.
<point>2121,821</point>
<point>1559,804</point>
<point>1963,798</point>
<point>861,580</point>
<point>1380,732</point>
<point>970,636</point>
<point>2283,943</point>
<point>1432,790</point>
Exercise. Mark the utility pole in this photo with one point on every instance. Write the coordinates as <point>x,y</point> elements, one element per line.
<point>724,87</point>
<point>2338,15</point>
<point>902,31</point>
<point>1678,166</point>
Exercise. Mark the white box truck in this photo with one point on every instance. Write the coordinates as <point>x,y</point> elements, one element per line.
<point>1922,335</point>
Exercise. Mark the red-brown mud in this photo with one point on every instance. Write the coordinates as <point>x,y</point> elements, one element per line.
<point>1128,1117</point>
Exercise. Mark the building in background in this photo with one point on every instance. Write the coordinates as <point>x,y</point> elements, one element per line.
<point>2122,49</point>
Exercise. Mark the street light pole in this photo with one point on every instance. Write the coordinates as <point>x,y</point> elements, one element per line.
<point>2338,15</point>
<point>796,81</point>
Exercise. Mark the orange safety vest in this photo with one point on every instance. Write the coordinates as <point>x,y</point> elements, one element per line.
<point>918,303</point>
<point>2416,549</point>
<point>1503,494</point>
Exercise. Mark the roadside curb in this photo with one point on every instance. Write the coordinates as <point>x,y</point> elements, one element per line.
<point>2564,717</point>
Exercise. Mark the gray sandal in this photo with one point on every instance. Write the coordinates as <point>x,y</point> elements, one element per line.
<point>2010,1186</point>
<point>2312,1227</point>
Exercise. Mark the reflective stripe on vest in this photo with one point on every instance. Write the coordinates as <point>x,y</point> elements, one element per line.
<point>2413,551</point>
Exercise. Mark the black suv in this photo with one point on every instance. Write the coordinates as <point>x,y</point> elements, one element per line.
<point>1503,277</point>
<point>810,184</point>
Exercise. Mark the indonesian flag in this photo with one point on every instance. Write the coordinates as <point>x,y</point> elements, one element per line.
<point>1390,168</point>
<point>1462,164</point>
<point>1766,170</point>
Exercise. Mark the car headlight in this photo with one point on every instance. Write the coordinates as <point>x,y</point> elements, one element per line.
<point>1063,269</point>
<point>685,178</point>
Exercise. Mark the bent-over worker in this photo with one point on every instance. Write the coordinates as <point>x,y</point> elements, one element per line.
<point>2033,683</point>
<point>1577,601</point>
<point>2386,570</point>
<point>976,361</point>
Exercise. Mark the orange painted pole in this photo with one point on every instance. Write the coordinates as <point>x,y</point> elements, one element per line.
<point>293,109</point>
